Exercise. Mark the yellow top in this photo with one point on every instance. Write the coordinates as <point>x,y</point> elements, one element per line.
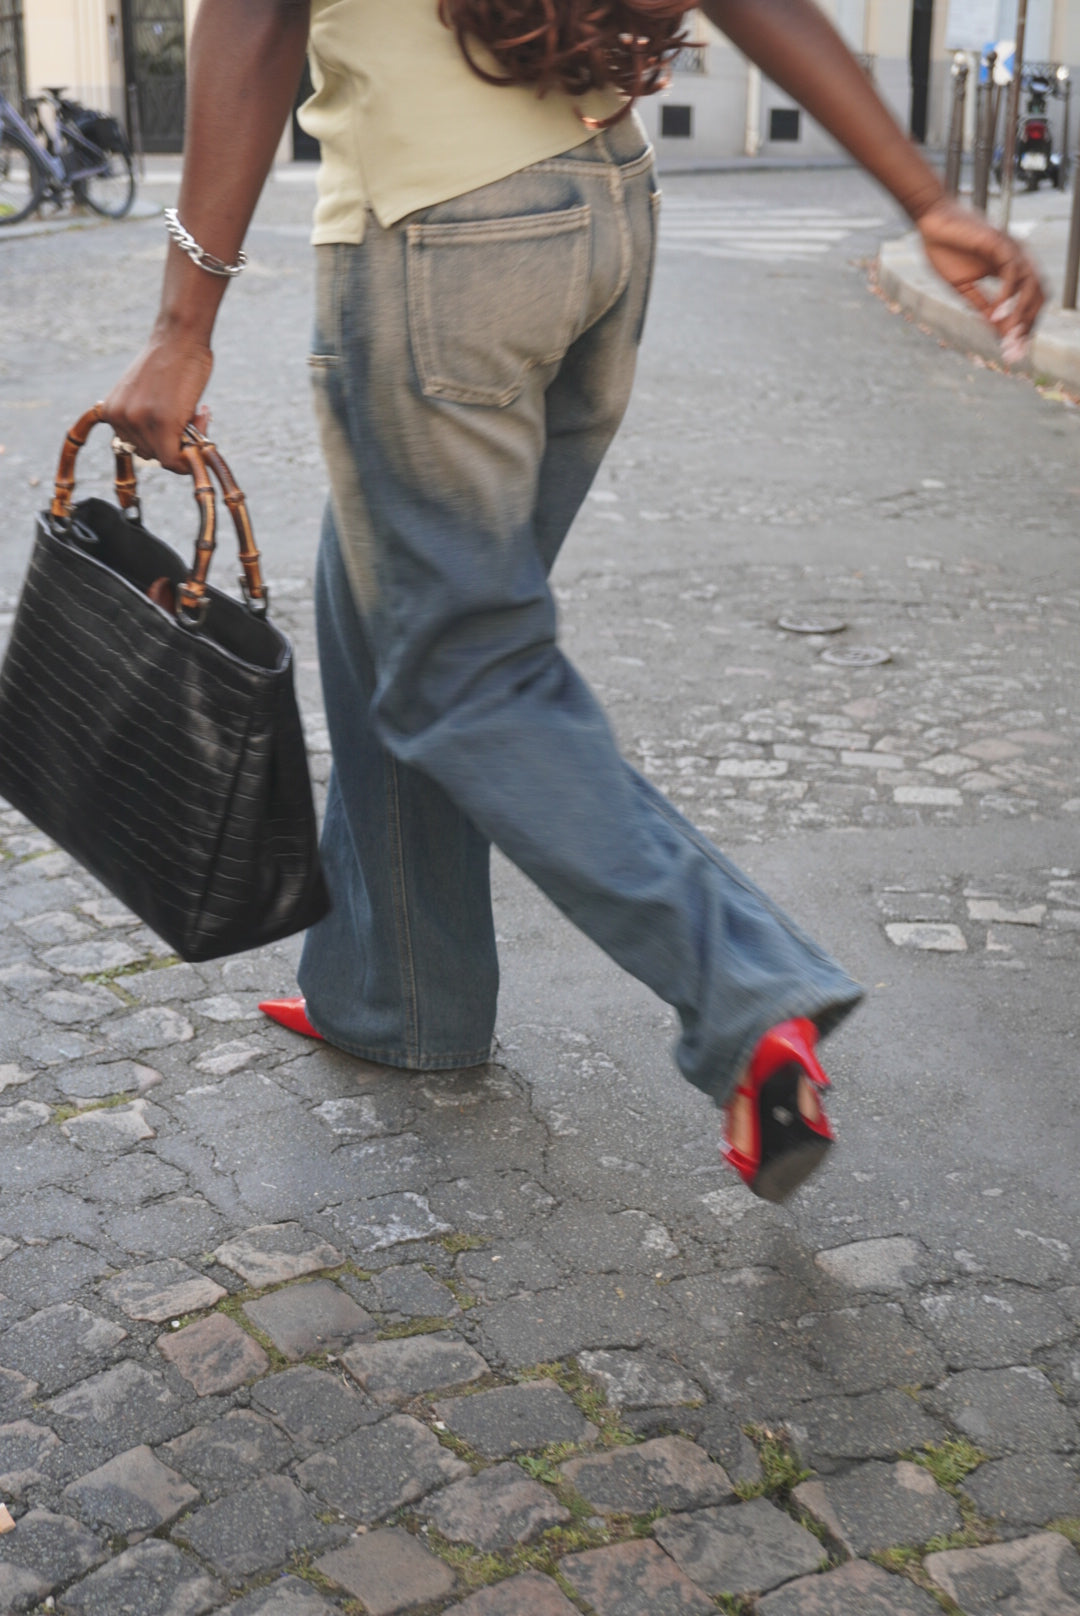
<point>405,123</point>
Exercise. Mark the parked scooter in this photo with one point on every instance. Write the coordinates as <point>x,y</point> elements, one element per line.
<point>1036,159</point>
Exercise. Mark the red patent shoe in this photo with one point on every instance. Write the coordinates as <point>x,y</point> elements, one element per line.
<point>291,1013</point>
<point>789,1133</point>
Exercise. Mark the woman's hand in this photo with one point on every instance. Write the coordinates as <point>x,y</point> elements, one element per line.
<point>159,395</point>
<point>965,249</point>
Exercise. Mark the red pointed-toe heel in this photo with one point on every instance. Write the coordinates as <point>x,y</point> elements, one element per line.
<point>291,1013</point>
<point>789,1131</point>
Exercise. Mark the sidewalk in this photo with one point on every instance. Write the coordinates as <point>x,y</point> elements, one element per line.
<point>1042,222</point>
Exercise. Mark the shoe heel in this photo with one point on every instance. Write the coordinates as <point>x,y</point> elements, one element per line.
<point>790,1041</point>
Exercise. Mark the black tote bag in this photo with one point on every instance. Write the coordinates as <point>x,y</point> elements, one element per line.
<point>148,722</point>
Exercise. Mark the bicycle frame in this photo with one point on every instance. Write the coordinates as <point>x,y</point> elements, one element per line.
<point>17,124</point>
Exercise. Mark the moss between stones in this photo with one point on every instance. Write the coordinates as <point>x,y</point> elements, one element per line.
<point>589,1399</point>
<point>950,1461</point>
<point>65,1113</point>
<point>401,1332</point>
<point>781,1472</point>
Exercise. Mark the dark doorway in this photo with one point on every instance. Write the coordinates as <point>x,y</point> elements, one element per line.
<point>12,53</point>
<point>922,29</point>
<point>155,55</point>
<point>305,148</point>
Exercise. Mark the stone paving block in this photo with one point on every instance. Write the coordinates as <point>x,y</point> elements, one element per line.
<point>739,1548</point>
<point>411,1291</point>
<point>389,1220</point>
<point>214,1354</point>
<point>634,1579</point>
<point>394,1371</point>
<point>599,1312</point>
<point>875,1425</point>
<point>529,1595</point>
<point>162,1290</point>
<point>135,1180</point>
<point>288,1596</point>
<point>388,1571</point>
<point>152,1579</point>
<point>495,1509</point>
<point>304,1320</point>
<point>669,1471</point>
<point>44,1552</point>
<point>120,1407</point>
<point>177,1226</point>
<point>59,1344</point>
<point>514,1419</point>
<point>132,1494</point>
<point>272,1253</point>
<point>879,1506</point>
<point>858,1589</point>
<point>1003,1410</point>
<point>16,1393</point>
<point>63,1007</point>
<point>868,1348</point>
<point>110,1128</point>
<point>314,1407</point>
<point>638,1380</point>
<point>1032,1576</point>
<point>257,1529</point>
<point>223,1059</point>
<point>156,1027</point>
<point>993,1328</point>
<point>228,1452</point>
<point>42,1275</point>
<point>379,1468</point>
<point>169,985</point>
<point>24,1447</point>
<point>100,1080</point>
<point>502,1270</point>
<point>1024,1490</point>
<point>91,958</point>
<point>873,1265</point>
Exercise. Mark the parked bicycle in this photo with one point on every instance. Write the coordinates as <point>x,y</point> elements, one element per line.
<point>78,152</point>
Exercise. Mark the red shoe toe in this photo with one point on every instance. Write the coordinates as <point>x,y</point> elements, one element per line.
<point>291,1013</point>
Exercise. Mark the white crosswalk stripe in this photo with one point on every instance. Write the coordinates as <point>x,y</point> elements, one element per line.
<point>751,230</point>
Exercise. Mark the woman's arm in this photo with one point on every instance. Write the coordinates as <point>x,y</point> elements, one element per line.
<point>795,45</point>
<point>244,67</point>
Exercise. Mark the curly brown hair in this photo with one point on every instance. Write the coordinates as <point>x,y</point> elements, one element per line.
<point>571,45</point>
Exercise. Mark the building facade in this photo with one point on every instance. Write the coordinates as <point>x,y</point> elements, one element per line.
<point>128,57</point>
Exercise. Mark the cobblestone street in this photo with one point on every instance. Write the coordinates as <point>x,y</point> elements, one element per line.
<point>286,1334</point>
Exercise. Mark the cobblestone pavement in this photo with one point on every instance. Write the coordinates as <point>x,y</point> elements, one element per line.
<point>285,1333</point>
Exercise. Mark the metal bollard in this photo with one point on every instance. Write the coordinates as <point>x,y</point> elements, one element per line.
<point>986,105</point>
<point>955,154</point>
<point>1072,256</point>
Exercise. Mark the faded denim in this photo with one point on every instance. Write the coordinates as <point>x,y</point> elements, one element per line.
<point>471,366</point>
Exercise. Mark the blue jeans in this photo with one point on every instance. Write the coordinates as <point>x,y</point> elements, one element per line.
<point>472,365</point>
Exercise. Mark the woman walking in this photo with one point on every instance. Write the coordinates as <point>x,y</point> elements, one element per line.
<point>485,231</point>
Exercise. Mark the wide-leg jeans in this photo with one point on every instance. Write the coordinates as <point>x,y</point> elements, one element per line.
<point>471,367</point>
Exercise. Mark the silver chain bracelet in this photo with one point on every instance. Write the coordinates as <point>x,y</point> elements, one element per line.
<point>199,255</point>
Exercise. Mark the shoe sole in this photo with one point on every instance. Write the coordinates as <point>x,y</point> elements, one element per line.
<point>776,1180</point>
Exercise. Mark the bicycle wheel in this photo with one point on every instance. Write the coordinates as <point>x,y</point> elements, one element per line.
<point>22,183</point>
<point>111,190</point>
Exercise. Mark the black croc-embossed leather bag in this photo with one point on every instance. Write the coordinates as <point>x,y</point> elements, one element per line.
<point>148,722</point>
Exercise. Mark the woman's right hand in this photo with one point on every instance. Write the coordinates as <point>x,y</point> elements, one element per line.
<point>160,394</point>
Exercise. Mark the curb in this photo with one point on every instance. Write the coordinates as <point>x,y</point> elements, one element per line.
<point>906,279</point>
<point>81,220</point>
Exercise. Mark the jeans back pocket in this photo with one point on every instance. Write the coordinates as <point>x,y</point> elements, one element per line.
<point>491,299</point>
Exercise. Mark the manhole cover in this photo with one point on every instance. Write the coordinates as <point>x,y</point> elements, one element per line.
<point>856,656</point>
<point>812,625</point>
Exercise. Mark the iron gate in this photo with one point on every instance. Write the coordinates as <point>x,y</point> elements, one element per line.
<point>12,55</point>
<point>155,68</point>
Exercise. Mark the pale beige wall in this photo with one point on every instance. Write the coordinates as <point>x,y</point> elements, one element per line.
<point>76,43</point>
